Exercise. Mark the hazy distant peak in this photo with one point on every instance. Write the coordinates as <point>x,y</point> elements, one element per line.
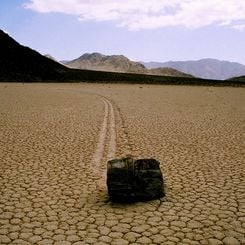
<point>205,68</point>
<point>50,57</point>
<point>54,59</point>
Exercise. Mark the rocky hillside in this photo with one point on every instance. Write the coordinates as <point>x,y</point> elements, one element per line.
<point>204,68</point>
<point>100,62</point>
<point>118,63</point>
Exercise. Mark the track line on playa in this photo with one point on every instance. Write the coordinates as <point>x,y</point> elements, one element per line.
<point>127,149</point>
<point>98,155</point>
<point>107,137</point>
<point>112,129</point>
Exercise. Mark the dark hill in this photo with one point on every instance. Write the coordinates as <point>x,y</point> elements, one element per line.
<point>238,79</point>
<point>22,63</point>
<point>166,71</point>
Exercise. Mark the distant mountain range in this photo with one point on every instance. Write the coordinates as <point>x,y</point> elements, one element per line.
<point>23,64</point>
<point>118,63</point>
<point>204,68</point>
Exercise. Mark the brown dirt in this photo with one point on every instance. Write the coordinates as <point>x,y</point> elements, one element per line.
<point>55,140</point>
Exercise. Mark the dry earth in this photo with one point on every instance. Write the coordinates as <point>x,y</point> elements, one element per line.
<point>55,140</point>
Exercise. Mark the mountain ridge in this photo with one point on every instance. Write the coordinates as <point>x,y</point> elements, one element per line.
<point>23,64</point>
<point>19,63</point>
<point>97,61</point>
<point>206,68</point>
<point>118,63</point>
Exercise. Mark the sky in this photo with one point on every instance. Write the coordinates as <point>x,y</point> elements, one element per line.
<point>142,30</point>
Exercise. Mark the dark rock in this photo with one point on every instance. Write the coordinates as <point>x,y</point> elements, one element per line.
<point>134,180</point>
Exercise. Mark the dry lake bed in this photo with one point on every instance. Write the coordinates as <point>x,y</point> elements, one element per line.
<point>55,140</point>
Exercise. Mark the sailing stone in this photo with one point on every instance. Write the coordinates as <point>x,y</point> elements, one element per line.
<point>134,180</point>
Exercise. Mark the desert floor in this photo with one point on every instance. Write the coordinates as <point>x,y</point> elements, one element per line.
<point>55,140</point>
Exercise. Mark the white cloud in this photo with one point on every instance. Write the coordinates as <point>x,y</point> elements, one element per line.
<point>150,14</point>
<point>240,27</point>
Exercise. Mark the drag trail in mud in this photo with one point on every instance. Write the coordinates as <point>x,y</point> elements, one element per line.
<point>107,137</point>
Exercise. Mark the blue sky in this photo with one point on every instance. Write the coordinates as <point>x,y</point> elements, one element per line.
<point>143,30</point>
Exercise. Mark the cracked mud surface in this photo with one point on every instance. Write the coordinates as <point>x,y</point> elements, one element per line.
<point>55,140</point>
